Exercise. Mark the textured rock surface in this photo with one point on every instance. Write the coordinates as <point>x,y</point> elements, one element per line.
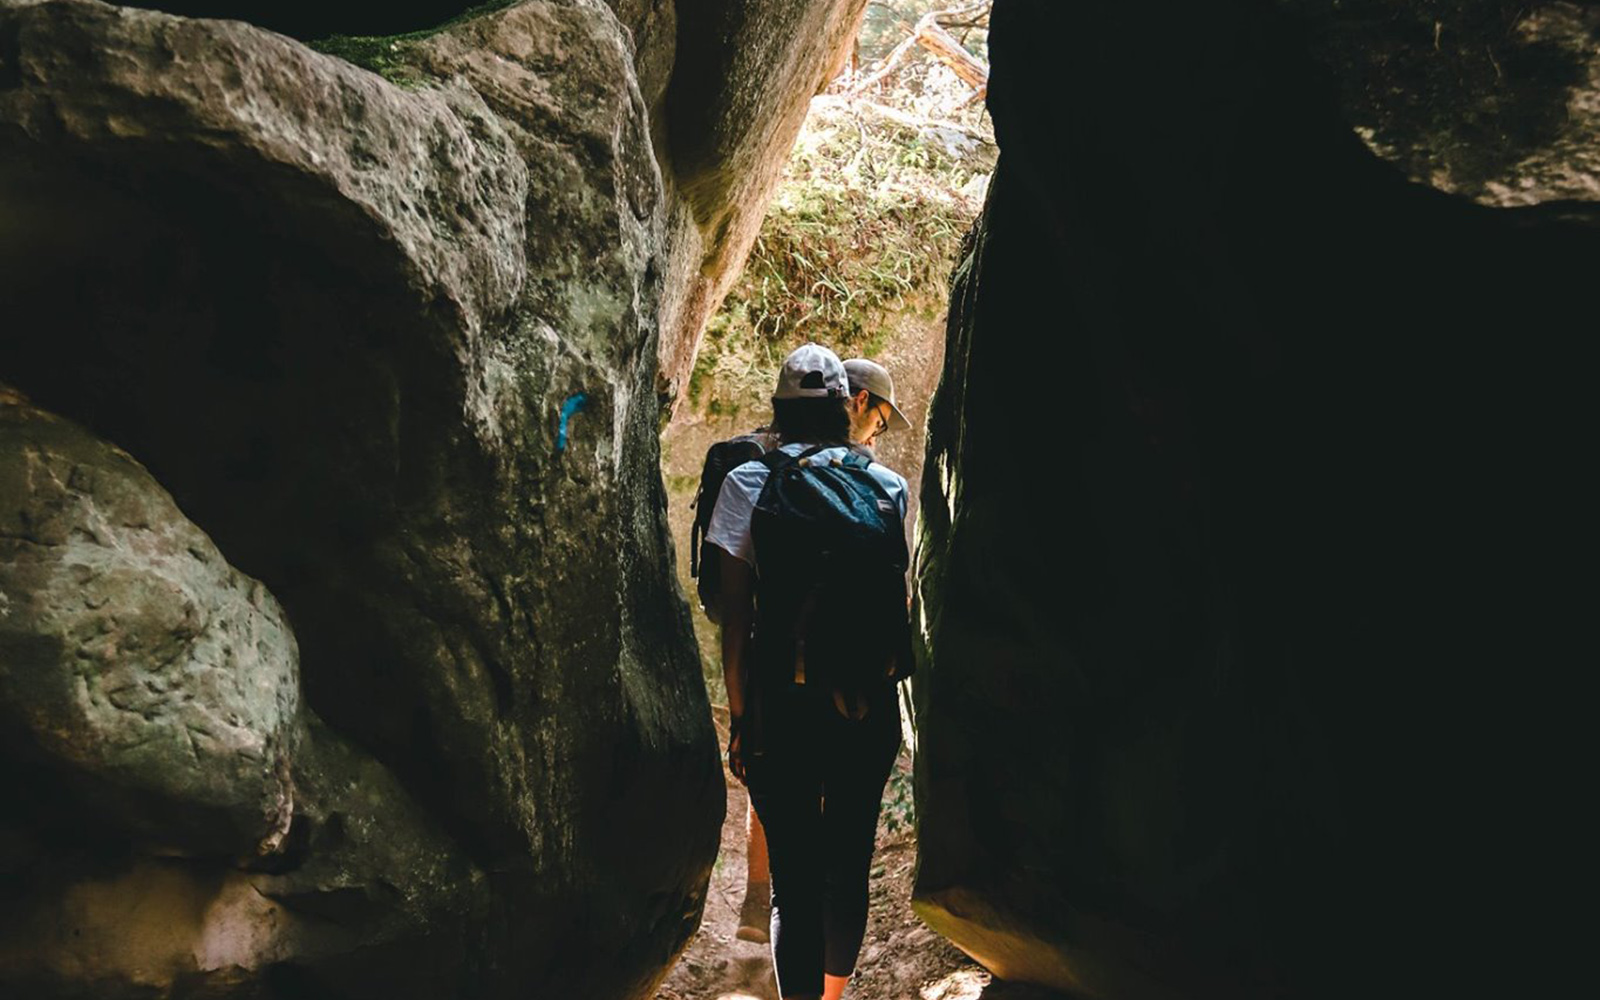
<point>394,349</point>
<point>136,667</point>
<point>173,814</point>
<point>1493,100</point>
<point>1251,476</point>
<point>726,84</point>
<point>653,27</point>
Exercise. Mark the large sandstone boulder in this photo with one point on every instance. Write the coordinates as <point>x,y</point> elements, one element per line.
<point>137,668</point>
<point>174,815</point>
<point>726,84</point>
<point>1245,531</point>
<point>394,349</point>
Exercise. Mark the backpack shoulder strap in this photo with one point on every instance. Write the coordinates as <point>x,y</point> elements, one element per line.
<point>777,458</point>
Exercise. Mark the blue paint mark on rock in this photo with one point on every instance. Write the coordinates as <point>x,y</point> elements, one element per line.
<point>573,404</point>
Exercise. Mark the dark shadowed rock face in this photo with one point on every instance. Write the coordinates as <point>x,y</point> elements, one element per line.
<point>1495,100</point>
<point>1250,477</point>
<point>309,19</point>
<point>394,350</point>
<point>174,814</point>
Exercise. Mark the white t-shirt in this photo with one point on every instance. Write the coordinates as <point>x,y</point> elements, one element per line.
<point>730,521</point>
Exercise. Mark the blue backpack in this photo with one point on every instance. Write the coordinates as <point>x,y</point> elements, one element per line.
<point>831,585</point>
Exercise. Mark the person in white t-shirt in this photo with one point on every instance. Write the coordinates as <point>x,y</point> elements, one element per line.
<point>819,780</point>
<point>872,412</point>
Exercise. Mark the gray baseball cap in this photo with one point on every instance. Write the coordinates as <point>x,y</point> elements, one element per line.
<point>874,378</point>
<point>811,371</point>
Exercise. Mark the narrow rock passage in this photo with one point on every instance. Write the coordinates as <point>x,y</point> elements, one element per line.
<point>901,959</point>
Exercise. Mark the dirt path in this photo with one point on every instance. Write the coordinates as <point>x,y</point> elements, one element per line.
<point>900,959</point>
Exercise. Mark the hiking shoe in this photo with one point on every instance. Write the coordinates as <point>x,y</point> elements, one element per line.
<point>755,916</point>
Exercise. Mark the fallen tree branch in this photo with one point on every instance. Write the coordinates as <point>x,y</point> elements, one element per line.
<point>929,32</point>
<point>932,36</point>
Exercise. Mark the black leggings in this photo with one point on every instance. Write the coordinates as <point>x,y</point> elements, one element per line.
<point>817,788</point>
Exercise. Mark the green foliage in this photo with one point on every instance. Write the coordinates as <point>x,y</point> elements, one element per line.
<point>832,258</point>
<point>899,807</point>
<point>384,56</point>
<point>864,227</point>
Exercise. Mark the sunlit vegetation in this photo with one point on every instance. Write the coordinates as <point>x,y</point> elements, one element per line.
<point>882,184</point>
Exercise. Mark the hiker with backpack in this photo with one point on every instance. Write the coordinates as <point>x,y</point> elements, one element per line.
<point>811,560</point>
<point>872,411</point>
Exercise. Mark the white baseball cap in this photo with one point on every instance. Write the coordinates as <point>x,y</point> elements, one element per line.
<point>811,371</point>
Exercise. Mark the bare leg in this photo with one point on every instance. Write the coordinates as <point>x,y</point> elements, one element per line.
<point>756,913</point>
<point>756,856</point>
<point>833,986</point>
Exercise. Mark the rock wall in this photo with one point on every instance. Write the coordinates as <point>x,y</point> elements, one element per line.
<point>1248,506</point>
<point>1494,101</point>
<point>726,83</point>
<point>744,75</point>
<point>137,664</point>
<point>393,349</point>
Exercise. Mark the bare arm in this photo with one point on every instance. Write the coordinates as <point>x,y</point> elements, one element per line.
<point>738,614</point>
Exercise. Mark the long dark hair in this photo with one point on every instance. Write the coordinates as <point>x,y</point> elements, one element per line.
<point>813,419</point>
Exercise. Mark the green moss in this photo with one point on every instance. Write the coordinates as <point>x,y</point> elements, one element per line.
<point>386,55</point>
<point>682,483</point>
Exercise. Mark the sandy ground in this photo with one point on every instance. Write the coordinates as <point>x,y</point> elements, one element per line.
<point>901,959</point>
